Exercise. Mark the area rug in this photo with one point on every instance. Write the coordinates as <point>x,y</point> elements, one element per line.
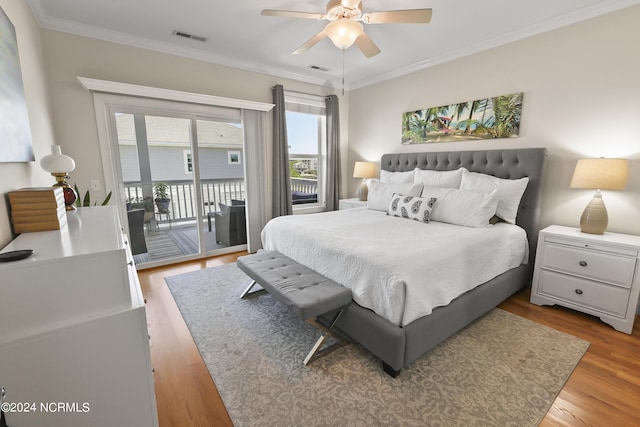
<point>502,370</point>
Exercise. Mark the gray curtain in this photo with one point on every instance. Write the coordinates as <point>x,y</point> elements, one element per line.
<point>333,153</point>
<point>254,125</point>
<point>281,202</point>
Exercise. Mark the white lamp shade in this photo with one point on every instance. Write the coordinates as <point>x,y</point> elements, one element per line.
<point>602,174</point>
<point>364,170</point>
<point>343,32</point>
<point>56,162</point>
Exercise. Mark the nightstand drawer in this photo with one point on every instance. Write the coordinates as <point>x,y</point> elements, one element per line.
<point>615,269</point>
<point>597,296</point>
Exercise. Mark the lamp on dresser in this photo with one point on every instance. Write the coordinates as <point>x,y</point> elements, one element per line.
<point>59,165</point>
<point>364,170</point>
<point>599,174</point>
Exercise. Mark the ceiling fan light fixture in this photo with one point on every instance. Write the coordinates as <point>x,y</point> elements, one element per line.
<point>343,32</point>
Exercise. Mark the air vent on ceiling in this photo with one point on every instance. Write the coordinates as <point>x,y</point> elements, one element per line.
<point>319,68</point>
<point>189,36</point>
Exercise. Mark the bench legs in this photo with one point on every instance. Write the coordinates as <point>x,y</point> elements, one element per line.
<point>317,351</point>
<point>248,290</point>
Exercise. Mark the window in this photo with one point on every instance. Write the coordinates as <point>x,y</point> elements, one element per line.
<point>188,162</point>
<point>306,135</point>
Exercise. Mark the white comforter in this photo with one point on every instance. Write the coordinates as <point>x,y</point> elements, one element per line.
<point>399,268</point>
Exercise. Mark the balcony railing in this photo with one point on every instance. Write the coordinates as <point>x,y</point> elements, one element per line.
<point>304,185</point>
<point>183,196</point>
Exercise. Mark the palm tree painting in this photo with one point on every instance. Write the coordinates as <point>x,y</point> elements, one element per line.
<point>489,118</point>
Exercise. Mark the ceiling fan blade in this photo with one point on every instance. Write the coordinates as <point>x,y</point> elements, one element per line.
<point>366,45</point>
<point>413,16</point>
<point>291,14</point>
<point>350,4</point>
<point>310,43</point>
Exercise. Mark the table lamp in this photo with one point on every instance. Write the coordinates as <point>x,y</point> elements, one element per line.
<point>598,174</point>
<point>364,170</point>
<point>59,165</point>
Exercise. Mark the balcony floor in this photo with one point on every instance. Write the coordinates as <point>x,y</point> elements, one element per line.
<point>179,240</point>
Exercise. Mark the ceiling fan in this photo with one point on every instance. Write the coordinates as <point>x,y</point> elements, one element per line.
<point>344,27</point>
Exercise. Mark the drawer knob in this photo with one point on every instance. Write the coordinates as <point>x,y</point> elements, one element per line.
<point>583,263</point>
<point>579,291</point>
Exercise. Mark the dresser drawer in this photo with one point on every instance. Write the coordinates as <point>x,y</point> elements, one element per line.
<point>597,296</point>
<point>605,267</point>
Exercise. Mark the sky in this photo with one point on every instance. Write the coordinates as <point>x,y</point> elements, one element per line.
<point>302,133</point>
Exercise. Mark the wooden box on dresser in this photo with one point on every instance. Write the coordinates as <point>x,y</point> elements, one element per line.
<point>74,345</point>
<point>592,273</point>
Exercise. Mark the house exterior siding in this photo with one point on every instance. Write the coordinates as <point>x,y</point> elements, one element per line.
<point>168,164</point>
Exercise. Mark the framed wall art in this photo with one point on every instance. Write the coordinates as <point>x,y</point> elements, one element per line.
<point>489,118</point>
<point>15,133</point>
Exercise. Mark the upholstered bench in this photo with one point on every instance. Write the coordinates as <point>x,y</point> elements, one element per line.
<point>307,293</point>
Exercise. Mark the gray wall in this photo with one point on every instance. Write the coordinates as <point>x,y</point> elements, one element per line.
<point>167,164</point>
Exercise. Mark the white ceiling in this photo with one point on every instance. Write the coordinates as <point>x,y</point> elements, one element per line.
<point>238,36</point>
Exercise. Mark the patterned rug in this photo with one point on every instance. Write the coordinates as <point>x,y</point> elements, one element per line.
<point>502,370</point>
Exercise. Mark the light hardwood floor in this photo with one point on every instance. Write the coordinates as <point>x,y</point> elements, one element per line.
<point>604,390</point>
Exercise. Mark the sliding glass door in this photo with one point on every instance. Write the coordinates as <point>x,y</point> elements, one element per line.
<point>221,176</point>
<point>182,181</point>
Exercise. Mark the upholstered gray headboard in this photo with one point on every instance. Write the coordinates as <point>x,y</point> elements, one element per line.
<point>508,164</point>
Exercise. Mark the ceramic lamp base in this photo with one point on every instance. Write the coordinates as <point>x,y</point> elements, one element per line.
<point>70,195</point>
<point>70,198</point>
<point>363,191</point>
<point>594,219</point>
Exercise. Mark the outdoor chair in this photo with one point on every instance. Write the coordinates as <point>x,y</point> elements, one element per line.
<point>300,197</point>
<point>135,218</point>
<point>231,225</point>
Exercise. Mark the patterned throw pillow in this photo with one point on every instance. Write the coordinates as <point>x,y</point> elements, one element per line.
<point>411,207</point>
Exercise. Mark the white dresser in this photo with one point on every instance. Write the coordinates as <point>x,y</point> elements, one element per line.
<point>595,274</point>
<point>74,343</point>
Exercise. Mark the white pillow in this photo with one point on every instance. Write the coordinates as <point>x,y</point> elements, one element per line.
<point>396,177</point>
<point>448,179</point>
<point>510,191</point>
<point>411,207</point>
<point>462,207</point>
<point>380,193</point>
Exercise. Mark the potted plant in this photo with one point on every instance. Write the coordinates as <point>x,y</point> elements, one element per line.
<point>162,199</point>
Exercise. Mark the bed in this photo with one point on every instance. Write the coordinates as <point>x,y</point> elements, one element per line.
<point>387,315</point>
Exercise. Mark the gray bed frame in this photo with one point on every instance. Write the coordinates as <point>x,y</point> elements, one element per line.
<point>398,347</point>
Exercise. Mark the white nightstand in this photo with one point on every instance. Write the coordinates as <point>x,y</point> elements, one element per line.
<point>592,273</point>
<point>351,203</point>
